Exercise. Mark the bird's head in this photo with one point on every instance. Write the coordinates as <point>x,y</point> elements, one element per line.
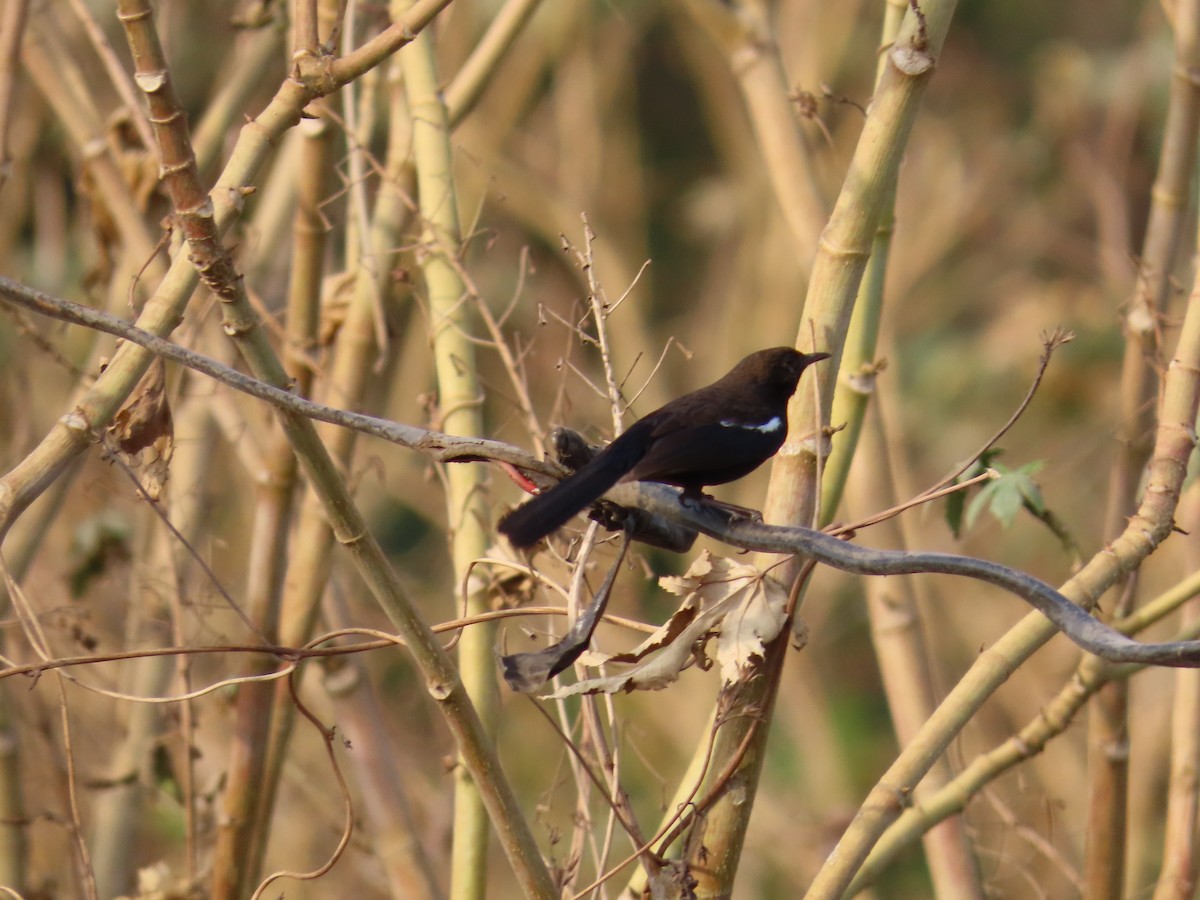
<point>776,370</point>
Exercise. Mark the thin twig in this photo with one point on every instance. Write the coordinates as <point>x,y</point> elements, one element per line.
<point>114,457</point>
<point>87,876</point>
<point>600,312</point>
<point>1050,343</point>
<point>928,496</point>
<point>440,447</point>
<point>327,736</point>
<point>598,782</point>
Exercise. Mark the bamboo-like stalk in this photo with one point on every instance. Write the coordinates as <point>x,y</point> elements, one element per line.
<point>1146,530</point>
<point>740,740</point>
<point>1108,727</point>
<point>191,466</point>
<point>56,73</point>
<point>903,656</point>
<point>12,30</point>
<point>477,72</point>
<point>273,224</point>
<point>1179,871</point>
<point>349,374</point>
<point>891,606</point>
<point>14,847</point>
<point>72,434</point>
<point>273,713</point>
<point>305,33</point>
<point>268,543</point>
<point>394,835</point>
<point>460,408</point>
<point>1108,787</point>
<point>116,811</point>
<point>845,246</point>
<point>1051,721</point>
<point>309,240</point>
<point>744,32</point>
<point>859,368</point>
<point>841,259</point>
<point>253,56</point>
<point>202,219</point>
<point>231,874</point>
<point>1178,877</point>
<point>22,548</point>
<point>348,377</point>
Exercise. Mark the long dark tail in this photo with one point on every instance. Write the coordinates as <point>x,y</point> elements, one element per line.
<point>528,524</point>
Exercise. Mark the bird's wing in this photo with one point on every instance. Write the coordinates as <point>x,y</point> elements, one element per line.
<point>696,454</point>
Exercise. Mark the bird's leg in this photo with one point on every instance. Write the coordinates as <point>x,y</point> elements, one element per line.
<point>742,512</point>
<point>694,498</point>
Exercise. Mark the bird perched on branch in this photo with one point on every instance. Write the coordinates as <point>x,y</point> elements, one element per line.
<point>710,436</point>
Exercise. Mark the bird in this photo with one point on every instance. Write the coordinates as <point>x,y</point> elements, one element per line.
<point>713,435</point>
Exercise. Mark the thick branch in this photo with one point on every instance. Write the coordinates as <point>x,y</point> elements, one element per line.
<point>1085,630</point>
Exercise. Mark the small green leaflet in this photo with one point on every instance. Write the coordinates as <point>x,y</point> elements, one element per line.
<point>1003,496</point>
<point>1007,495</point>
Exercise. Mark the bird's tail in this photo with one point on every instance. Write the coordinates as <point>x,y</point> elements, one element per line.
<point>528,524</point>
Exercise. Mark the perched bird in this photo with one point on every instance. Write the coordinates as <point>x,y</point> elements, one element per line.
<point>710,436</point>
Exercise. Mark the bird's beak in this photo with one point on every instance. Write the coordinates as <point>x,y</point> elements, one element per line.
<point>810,358</point>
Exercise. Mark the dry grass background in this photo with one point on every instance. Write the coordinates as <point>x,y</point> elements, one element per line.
<point>1022,201</point>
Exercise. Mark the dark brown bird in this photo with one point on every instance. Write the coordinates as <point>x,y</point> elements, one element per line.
<point>710,436</point>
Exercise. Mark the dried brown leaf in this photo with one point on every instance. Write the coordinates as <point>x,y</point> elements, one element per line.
<point>747,606</point>
<point>146,422</point>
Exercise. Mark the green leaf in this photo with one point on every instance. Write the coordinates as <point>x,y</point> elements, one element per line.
<point>1030,492</point>
<point>1007,498</point>
<point>954,512</point>
<point>956,502</point>
<point>978,504</point>
<point>1008,494</point>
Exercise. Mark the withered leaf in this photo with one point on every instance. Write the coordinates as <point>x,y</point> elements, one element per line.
<point>146,422</point>
<point>744,604</point>
<point>527,672</point>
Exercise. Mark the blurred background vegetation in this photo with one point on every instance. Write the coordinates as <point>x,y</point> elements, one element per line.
<point>1022,203</point>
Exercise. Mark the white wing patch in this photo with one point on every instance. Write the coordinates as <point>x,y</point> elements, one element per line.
<point>771,425</point>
